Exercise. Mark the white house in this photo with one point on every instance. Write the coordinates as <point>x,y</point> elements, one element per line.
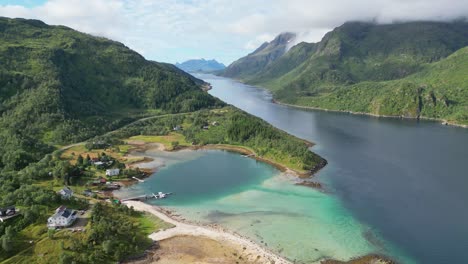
<point>66,193</point>
<point>112,172</point>
<point>63,217</point>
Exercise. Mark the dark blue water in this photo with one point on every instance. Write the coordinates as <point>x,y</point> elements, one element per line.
<point>406,179</point>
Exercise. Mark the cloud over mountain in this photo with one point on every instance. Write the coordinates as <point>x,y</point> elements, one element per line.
<point>174,30</point>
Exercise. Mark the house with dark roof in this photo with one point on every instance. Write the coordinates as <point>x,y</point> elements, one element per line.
<point>63,217</point>
<point>8,211</point>
<point>66,193</point>
<point>87,193</point>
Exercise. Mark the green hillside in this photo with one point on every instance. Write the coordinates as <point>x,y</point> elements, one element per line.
<point>439,91</point>
<point>58,85</point>
<point>364,56</point>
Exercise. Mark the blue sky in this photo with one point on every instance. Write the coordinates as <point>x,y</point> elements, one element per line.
<point>178,30</point>
<point>25,3</point>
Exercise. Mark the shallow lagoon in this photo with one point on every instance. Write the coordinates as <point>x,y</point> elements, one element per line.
<point>256,200</point>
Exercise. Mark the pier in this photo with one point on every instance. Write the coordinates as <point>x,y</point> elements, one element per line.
<point>159,195</point>
<point>140,180</point>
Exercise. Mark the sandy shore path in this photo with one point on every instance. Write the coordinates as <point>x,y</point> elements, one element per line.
<point>252,251</point>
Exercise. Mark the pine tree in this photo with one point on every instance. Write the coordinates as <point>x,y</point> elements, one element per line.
<point>79,161</point>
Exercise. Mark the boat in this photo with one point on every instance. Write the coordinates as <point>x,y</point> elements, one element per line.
<point>161,195</point>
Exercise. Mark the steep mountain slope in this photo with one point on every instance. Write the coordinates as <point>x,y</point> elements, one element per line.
<point>439,90</point>
<point>359,52</point>
<point>250,65</point>
<point>201,65</point>
<point>58,85</point>
<point>286,63</point>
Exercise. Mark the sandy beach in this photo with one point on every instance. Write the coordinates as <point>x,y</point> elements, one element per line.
<point>251,251</point>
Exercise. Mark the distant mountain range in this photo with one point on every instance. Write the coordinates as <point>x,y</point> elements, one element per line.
<point>413,69</point>
<point>201,65</point>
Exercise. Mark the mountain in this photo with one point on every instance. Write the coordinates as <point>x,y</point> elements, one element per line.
<point>439,90</point>
<point>201,65</point>
<point>58,85</point>
<point>370,55</point>
<point>262,57</point>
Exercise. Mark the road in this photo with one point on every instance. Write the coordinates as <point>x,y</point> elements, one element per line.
<point>114,131</point>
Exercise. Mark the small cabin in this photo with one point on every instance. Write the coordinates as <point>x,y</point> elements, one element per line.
<point>112,172</point>
<point>87,193</point>
<point>66,193</point>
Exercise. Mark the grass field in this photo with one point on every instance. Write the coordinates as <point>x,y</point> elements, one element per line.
<point>165,140</point>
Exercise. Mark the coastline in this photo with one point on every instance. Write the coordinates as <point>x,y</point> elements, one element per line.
<point>142,146</point>
<point>442,121</point>
<point>251,250</point>
<point>247,249</point>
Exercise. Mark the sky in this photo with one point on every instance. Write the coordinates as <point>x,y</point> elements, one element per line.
<point>177,30</point>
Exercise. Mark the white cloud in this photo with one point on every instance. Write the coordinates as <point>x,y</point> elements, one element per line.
<point>175,30</point>
<point>98,17</point>
<point>258,40</point>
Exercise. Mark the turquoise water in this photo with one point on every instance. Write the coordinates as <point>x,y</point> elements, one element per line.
<point>256,200</point>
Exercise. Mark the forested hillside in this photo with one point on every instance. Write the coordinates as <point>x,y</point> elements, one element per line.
<point>439,91</point>
<point>359,54</point>
<point>58,85</point>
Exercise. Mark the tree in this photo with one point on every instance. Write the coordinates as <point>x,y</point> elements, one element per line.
<point>66,179</point>
<point>174,144</point>
<point>89,146</point>
<point>7,239</point>
<point>51,233</point>
<point>107,246</point>
<point>7,244</point>
<point>79,161</point>
<point>88,159</point>
<point>65,258</point>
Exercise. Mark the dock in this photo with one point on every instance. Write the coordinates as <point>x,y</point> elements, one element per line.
<point>140,180</point>
<point>141,198</point>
